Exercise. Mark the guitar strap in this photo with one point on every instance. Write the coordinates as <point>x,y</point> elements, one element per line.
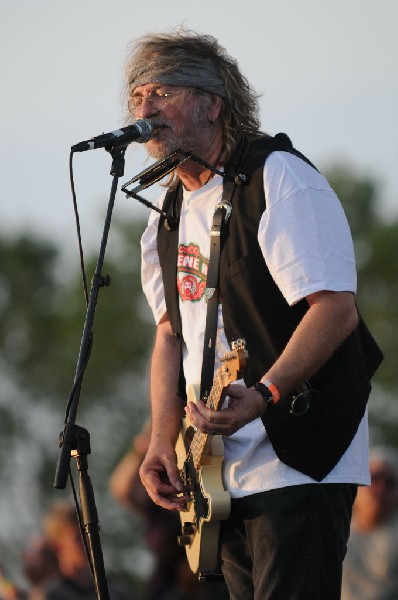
<point>221,215</point>
<point>212,295</point>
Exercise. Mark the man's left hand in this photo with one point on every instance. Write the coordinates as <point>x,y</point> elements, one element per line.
<point>244,405</point>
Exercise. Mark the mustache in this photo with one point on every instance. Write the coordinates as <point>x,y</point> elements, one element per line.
<point>159,123</point>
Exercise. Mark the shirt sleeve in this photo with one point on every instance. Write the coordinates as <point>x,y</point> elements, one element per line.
<point>151,272</point>
<point>304,234</point>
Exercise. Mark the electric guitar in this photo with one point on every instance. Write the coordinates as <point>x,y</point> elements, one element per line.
<point>200,458</point>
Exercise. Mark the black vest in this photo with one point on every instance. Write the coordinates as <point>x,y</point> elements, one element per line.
<point>254,308</point>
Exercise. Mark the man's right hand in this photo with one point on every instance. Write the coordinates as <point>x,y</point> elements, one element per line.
<point>159,472</point>
<point>160,476</point>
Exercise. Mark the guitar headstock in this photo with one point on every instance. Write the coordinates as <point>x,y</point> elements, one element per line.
<point>235,361</point>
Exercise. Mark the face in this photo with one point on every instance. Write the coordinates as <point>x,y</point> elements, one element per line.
<point>381,498</point>
<point>180,118</point>
<point>39,560</point>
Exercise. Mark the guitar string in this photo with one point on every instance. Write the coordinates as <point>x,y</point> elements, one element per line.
<point>199,440</point>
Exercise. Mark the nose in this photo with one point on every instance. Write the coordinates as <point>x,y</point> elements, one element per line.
<point>147,109</point>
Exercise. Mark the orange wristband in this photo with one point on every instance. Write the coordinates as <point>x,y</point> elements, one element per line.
<point>273,389</point>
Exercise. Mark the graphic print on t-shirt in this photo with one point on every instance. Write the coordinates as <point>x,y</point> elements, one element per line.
<point>191,272</point>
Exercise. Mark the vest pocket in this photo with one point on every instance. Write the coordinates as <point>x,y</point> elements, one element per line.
<point>249,262</point>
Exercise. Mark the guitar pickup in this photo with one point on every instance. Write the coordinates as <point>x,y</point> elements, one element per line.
<point>188,533</point>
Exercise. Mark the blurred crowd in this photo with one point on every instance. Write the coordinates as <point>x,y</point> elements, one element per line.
<point>55,563</point>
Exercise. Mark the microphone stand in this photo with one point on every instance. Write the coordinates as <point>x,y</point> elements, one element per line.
<point>74,440</point>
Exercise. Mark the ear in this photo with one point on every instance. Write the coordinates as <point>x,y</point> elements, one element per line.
<point>214,108</point>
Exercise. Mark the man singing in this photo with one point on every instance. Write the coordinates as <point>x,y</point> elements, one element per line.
<point>295,428</point>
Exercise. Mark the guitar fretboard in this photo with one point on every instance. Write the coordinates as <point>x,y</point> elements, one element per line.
<point>222,378</point>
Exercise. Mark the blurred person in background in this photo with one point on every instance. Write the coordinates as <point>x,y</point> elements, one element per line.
<point>40,566</point>
<point>370,570</point>
<point>62,530</point>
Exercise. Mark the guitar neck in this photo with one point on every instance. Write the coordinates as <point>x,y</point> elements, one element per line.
<point>232,365</point>
<point>199,439</point>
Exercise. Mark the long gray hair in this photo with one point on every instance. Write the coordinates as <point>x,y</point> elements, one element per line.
<point>157,56</point>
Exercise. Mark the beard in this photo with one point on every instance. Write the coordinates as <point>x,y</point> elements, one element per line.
<point>190,134</point>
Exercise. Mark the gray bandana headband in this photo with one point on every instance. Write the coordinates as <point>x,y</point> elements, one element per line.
<point>202,75</point>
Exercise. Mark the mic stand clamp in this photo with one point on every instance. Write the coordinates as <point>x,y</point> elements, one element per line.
<point>88,511</point>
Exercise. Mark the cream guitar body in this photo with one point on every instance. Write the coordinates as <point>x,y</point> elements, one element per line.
<point>199,459</point>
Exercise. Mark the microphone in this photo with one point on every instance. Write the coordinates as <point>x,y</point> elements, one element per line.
<point>141,131</point>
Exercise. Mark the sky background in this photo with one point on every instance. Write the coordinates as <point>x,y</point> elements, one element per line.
<point>326,72</point>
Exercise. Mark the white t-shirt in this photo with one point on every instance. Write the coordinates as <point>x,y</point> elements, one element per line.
<point>307,245</point>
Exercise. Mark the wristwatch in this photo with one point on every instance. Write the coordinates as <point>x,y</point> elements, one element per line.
<point>265,392</point>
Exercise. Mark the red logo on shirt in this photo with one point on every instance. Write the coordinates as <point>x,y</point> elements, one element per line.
<point>191,272</point>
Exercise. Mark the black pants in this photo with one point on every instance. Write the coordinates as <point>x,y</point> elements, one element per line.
<point>287,544</point>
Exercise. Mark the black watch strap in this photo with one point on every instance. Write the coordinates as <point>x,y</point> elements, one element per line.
<point>265,392</point>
